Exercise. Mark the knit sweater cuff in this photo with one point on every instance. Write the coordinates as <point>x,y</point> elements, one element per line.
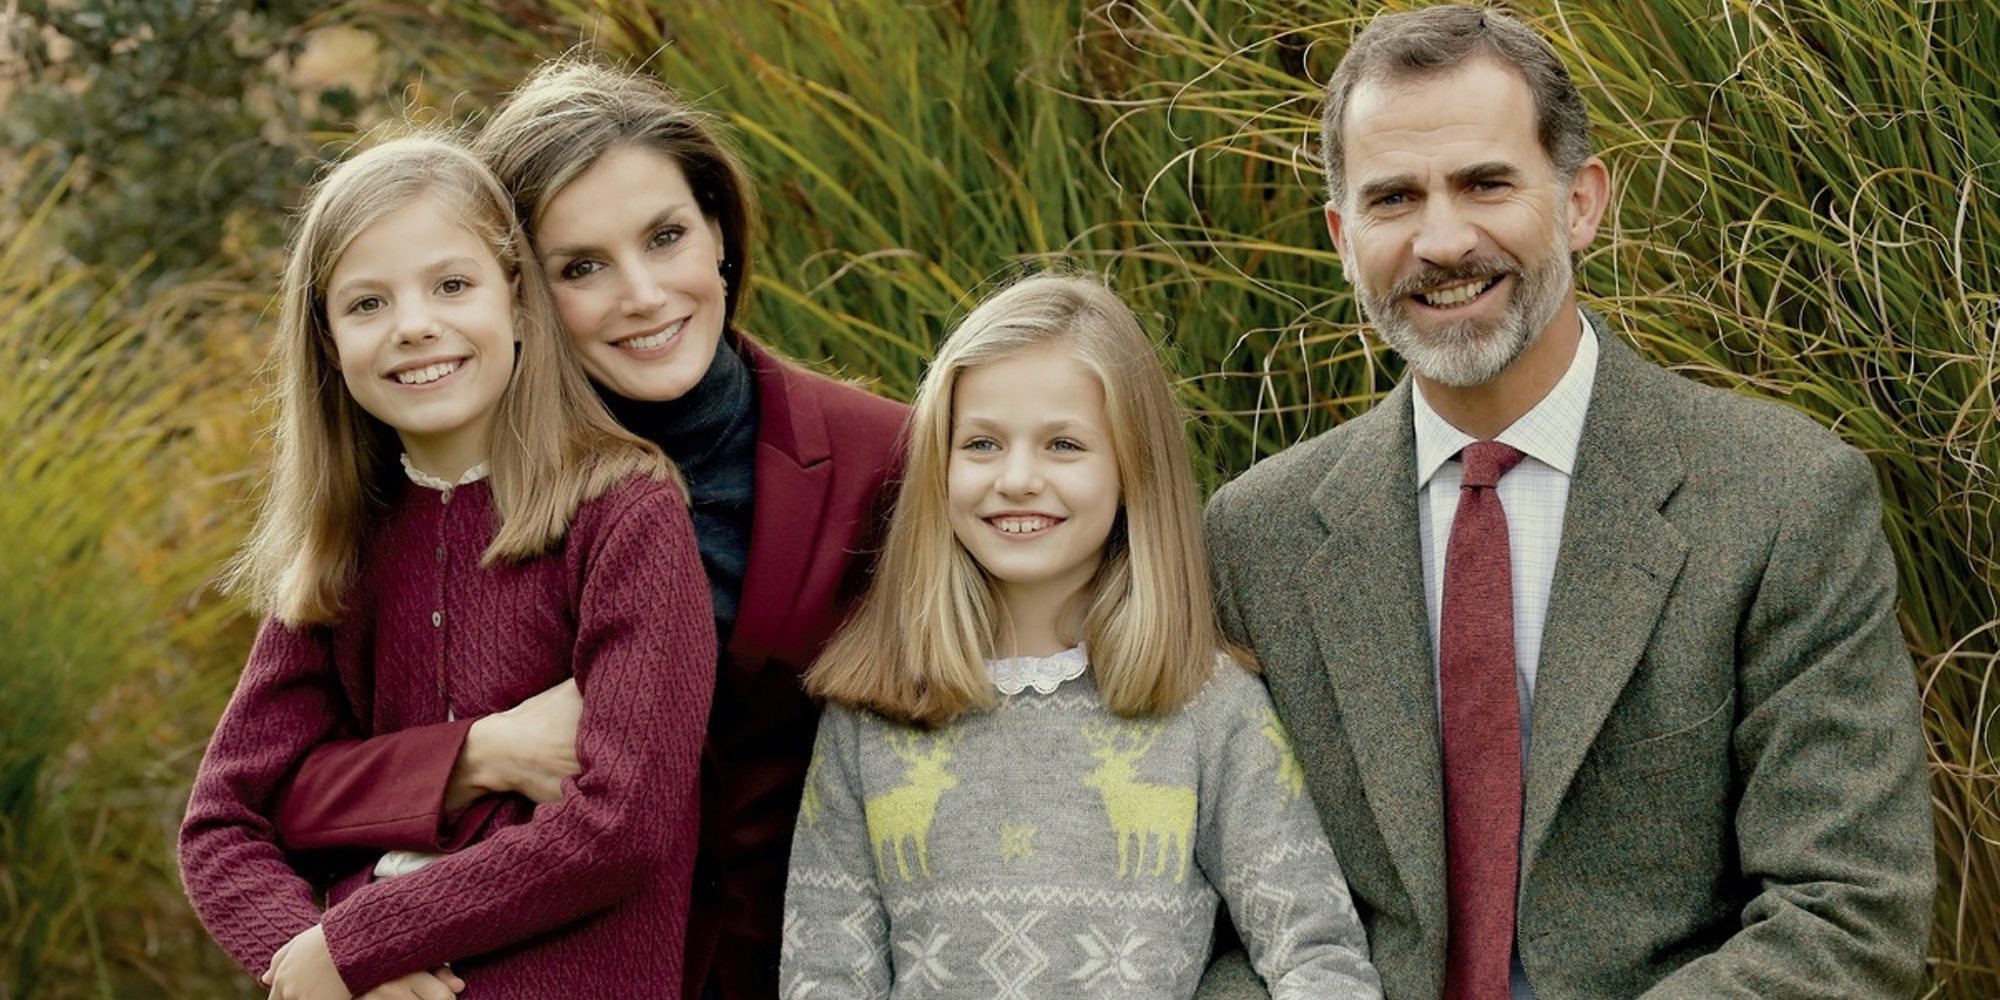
<point>361,959</point>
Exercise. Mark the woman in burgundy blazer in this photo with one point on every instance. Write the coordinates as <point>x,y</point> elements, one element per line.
<point>642,219</point>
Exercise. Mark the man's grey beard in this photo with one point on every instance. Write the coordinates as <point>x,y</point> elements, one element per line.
<point>1464,354</point>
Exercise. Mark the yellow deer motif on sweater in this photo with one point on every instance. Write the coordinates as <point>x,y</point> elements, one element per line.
<point>809,804</point>
<point>1290,776</point>
<point>906,811</point>
<point>1141,813</point>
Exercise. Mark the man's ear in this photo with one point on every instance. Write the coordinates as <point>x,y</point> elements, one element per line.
<point>1589,196</point>
<point>1335,228</point>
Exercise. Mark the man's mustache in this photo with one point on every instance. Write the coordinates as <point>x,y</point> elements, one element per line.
<point>1432,277</point>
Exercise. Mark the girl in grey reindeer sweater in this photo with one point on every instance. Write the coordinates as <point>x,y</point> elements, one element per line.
<point>1051,822</point>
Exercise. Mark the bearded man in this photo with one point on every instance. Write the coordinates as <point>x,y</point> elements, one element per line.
<point>1594,672</point>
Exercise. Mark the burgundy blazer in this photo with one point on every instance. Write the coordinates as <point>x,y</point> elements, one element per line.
<point>827,456</point>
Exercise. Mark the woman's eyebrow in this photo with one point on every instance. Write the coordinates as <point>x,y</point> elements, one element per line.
<point>660,218</point>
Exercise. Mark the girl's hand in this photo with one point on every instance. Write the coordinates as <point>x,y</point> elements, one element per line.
<point>303,970</point>
<point>437,984</point>
<point>529,749</point>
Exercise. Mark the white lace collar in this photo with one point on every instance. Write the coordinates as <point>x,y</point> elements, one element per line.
<point>425,479</point>
<point>1016,674</point>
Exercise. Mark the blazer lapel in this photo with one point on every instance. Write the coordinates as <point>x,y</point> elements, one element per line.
<point>1619,559</point>
<point>1364,588</point>
<point>792,478</point>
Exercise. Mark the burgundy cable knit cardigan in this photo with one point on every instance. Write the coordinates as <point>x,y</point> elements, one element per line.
<point>584,896</point>
<point>827,456</point>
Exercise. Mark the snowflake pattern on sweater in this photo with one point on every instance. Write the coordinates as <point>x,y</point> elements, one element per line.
<point>1049,849</point>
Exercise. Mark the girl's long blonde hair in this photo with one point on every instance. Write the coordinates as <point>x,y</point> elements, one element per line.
<point>554,446</point>
<point>915,649</point>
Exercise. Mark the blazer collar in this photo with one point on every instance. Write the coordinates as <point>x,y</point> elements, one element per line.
<point>793,475</point>
<point>789,419</point>
<point>1364,589</point>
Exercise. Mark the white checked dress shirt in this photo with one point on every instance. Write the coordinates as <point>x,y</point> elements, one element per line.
<point>1534,495</point>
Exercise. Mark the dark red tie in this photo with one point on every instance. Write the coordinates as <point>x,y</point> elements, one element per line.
<point>1482,733</point>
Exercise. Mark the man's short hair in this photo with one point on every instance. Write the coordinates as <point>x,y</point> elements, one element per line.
<point>1421,43</point>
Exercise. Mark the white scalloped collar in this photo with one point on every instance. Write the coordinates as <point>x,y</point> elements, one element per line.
<point>425,479</point>
<point>1016,674</point>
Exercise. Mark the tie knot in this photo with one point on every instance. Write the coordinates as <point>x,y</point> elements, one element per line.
<point>1486,461</point>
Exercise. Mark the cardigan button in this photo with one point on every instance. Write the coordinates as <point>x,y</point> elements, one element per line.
<point>440,553</point>
<point>437,619</point>
<point>446,495</point>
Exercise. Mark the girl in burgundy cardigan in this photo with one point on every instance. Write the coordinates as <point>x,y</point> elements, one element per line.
<point>633,200</point>
<point>409,591</point>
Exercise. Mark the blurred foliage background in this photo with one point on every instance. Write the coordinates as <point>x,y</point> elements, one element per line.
<point>1806,209</point>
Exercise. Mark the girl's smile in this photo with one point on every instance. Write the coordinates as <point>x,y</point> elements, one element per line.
<point>1022,526</point>
<point>425,373</point>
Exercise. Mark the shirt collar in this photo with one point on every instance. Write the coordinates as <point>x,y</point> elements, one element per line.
<point>1549,433</point>
<point>1013,675</point>
<point>428,481</point>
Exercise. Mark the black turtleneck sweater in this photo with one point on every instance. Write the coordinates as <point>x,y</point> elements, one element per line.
<point>711,435</point>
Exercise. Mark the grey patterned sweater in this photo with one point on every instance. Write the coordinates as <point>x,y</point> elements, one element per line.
<point>1050,849</point>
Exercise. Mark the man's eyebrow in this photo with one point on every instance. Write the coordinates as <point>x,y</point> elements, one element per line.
<point>1491,170</point>
<point>1384,186</point>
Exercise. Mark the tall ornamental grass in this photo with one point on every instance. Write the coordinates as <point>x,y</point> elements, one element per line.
<point>1806,209</point>
<point>100,559</point>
